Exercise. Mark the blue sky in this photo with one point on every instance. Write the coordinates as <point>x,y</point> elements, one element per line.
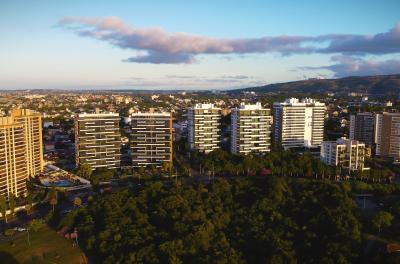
<point>196,44</point>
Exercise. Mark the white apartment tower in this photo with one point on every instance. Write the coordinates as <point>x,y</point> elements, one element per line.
<point>298,123</point>
<point>151,138</point>
<point>250,129</point>
<point>98,140</point>
<point>345,153</point>
<point>204,127</point>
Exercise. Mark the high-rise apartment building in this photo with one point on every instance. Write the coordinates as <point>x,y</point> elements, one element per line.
<point>32,123</point>
<point>346,153</point>
<point>151,138</point>
<point>21,153</point>
<point>388,135</point>
<point>13,162</point>
<point>298,123</point>
<point>250,129</point>
<point>363,127</point>
<point>98,140</point>
<point>204,127</point>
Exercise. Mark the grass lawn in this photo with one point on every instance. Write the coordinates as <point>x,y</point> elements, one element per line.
<point>46,247</point>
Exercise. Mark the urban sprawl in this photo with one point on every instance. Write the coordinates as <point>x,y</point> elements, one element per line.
<point>126,133</point>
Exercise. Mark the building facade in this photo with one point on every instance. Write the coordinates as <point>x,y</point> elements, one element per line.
<point>13,160</point>
<point>388,135</point>
<point>204,127</point>
<point>98,140</point>
<point>346,153</point>
<point>21,150</point>
<point>32,123</point>
<point>363,127</point>
<point>151,138</point>
<point>298,123</point>
<point>250,129</point>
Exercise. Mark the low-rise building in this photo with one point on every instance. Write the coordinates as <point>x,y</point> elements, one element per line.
<point>345,153</point>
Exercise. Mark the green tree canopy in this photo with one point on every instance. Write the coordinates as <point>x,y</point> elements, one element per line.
<point>253,220</point>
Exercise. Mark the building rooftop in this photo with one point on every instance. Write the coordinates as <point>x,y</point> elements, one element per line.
<point>256,106</point>
<point>298,102</point>
<point>156,113</point>
<point>205,106</point>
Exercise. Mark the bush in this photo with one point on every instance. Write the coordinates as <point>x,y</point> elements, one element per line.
<point>35,225</point>
<point>9,232</point>
<point>360,186</point>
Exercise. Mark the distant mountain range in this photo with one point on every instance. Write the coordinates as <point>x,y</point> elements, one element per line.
<point>375,86</point>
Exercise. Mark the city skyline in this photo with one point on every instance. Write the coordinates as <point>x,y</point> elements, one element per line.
<point>204,45</point>
<point>176,131</point>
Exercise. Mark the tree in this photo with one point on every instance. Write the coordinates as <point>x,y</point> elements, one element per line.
<point>141,171</point>
<point>102,175</point>
<point>9,232</point>
<point>166,166</point>
<point>77,201</point>
<point>241,220</point>
<point>382,219</point>
<point>35,225</point>
<point>3,207</point>
<point>53,198</point>
<point>11,203</point>
<point>29,204</point>
<point>187,170</point>
<point>85,171</point>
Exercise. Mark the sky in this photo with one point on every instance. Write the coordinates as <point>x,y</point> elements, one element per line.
<point>193,44</point>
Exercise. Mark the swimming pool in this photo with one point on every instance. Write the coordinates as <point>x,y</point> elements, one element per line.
<point>59,183</point>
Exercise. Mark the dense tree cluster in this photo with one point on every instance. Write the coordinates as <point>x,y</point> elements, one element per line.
<point>247,220</point>
<point>284,163</point>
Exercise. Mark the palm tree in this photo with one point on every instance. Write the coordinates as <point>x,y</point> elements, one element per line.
<point>77,201</point>
<point>53,198</point>
<point>53,202</point>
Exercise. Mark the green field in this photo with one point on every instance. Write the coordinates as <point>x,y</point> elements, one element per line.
<point>46,247</point>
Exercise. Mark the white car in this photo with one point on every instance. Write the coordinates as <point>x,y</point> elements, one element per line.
<point>20,229</point>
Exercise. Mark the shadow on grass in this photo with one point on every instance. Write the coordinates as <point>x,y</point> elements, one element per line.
<point>7,258</point>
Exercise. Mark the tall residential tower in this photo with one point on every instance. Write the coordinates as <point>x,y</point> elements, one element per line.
<point>21,154</point>
<point>151,138</point>
<point>98,140</point>
<point>32,123</point>
<point>388,135</point>
<point>13,161</point>
<point>298,123</point>
<point>250,129</point>
<point>363,128</point>
<point>204,127</point>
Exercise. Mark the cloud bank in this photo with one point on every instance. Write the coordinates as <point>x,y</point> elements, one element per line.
<point>159,46</point>
<point>348,65</point>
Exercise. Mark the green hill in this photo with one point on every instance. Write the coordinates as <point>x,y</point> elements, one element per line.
<point>378,86</point>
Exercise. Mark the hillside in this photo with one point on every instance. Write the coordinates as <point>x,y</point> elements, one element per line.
<point>381,85</point>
